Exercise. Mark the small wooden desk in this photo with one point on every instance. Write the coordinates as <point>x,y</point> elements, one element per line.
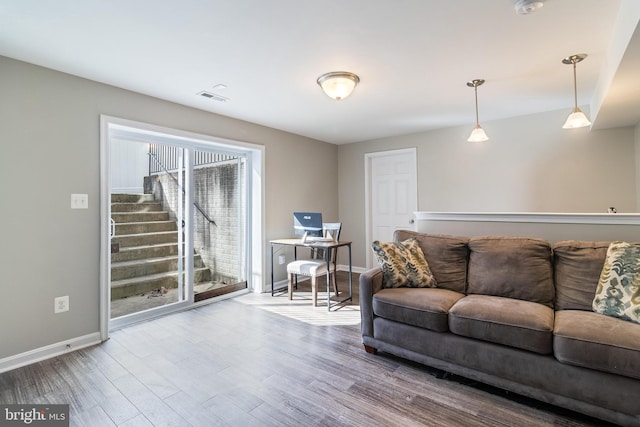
<point>318,245</point>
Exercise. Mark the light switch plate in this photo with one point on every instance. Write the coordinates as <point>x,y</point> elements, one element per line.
<point>79,201</point>
<point>61,304</point>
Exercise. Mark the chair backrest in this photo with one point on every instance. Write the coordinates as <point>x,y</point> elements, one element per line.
<point>332,229</point>
<point>329,229</point>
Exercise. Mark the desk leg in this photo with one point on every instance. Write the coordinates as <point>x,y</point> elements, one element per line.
<point>350,275</point>
<point>295,258</point>
<point>271,269</point>
<point>339,303</point>
<point>327,257</point>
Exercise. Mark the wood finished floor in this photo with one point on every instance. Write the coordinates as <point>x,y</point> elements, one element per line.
<point>239,362</point>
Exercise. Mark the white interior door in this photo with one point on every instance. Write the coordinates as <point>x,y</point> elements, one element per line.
<point>392,196</point>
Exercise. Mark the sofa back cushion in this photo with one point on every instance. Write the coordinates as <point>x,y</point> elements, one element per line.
<point>447,257</point>
<point>511,267</point>
<point>577,266</point>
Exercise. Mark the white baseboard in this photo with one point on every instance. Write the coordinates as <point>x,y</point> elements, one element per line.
<point>345,267</point>
<point>280,286</point>
<point>47,352</point>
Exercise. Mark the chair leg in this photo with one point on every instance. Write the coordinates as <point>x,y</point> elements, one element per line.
<point>314,291</point>
<point>290,286</point>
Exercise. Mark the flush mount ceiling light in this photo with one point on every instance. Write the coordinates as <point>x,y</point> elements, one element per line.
<point>577,118</point>
<point>338,84</point>
<point>477,134</point>
<point>525,7</point>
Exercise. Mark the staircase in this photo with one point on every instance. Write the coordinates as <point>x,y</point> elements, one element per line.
<point>147,259</point>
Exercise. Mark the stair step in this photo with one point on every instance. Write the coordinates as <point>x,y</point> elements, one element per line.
<point>139,285</point>
<point>148,257</point>
<point>123,217</point>
<point>131,198</point>
<point>145,267</point>
<point>136,207</point>
<point>146,251</point>
<point>144,239</point>
<point>123,229</point>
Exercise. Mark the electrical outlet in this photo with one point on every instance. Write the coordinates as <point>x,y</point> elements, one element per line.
<point>61,304</point>
<point>79,201</point>
<point>282,259</point>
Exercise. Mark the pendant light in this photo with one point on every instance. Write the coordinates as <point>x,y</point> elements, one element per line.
<point>338,84</point>
<point>477,134</point>
<point>577,118</point>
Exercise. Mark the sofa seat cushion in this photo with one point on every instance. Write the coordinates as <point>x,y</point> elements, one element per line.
<point>423,307</point>
<point>596,341</point>
<point>516,323</point>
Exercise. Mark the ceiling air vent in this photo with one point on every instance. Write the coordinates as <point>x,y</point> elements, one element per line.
<point>213,96</point>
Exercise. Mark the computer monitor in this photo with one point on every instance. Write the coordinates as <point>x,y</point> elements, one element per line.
<point>307,224</point>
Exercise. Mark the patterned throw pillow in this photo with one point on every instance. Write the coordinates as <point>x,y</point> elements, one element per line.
<point>618,292</point>
<point>403,264</point>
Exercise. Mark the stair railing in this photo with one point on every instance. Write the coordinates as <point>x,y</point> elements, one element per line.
<point>195,204</point>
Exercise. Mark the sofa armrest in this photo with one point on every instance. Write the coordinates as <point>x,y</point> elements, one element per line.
<point>370,283</point>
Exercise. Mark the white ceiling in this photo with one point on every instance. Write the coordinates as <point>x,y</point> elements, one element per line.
<point>413,57</point>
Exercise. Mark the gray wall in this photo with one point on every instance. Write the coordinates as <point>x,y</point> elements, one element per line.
<point>530,164</point>
<point>50,134</point>
<point>50,148</point>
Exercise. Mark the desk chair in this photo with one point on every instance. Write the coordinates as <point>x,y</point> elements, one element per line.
<point>317,265</point>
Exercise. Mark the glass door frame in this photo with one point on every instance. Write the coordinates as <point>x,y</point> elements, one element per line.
<point>252,238</point>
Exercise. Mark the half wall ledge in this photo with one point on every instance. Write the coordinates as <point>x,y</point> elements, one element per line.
<point>550,226</point>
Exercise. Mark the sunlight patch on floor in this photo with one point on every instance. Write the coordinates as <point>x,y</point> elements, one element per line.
<point>301,308</point>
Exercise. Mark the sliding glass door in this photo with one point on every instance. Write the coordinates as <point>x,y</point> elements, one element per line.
<point>178,225</point>
<point>219,222</point>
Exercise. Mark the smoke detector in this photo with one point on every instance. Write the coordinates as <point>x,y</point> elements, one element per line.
<point>525,7</point>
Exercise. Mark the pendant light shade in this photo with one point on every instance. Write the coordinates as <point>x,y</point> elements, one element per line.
<point>338,84</point>
<point>577,119</point>
<point>477,134</point>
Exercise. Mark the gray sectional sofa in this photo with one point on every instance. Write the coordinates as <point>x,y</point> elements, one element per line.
<point>514,313</point>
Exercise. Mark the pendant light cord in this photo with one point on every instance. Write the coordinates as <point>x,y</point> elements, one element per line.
<point>475,87</point>
<point>575,86</point>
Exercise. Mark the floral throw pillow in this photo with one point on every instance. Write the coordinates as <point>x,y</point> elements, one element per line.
<point>618,291</point>
<point>403,264</point>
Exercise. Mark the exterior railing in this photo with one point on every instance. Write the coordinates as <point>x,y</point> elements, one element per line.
<point>162,168</point>
<point>165,158</point>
